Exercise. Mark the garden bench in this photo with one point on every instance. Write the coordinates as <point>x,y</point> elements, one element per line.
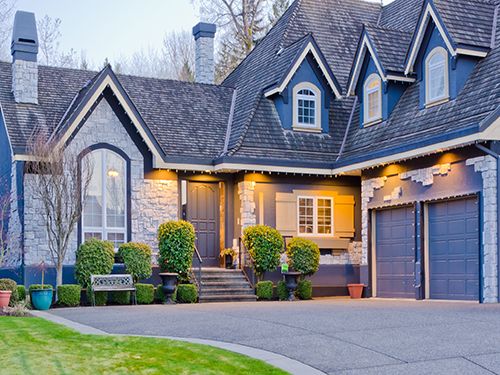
<point>112,283</point>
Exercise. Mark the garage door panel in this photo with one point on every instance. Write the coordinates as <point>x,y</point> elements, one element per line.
<point>395,252</point>
<point>454,252</point>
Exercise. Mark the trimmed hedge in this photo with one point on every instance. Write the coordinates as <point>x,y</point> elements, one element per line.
<point>264,290</point>
<point>101,298</point>
<point>145,293</point>
<point>39,286</point>
<point>8,284</point>
<point>176,247</point>
<point>69,295</point>
<point>21,292</point>
<point>137,259</point>
<point>93,257</point>
<point>304,289</point>
<point>282,291</point>
<point>121,298</point>
<point>264,244</point>
<point>186,293</point>
<point>303,256</point>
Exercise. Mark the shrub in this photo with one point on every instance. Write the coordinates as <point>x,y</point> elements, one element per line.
<point>145,293</point>
<point>120,298</point>
<point>21,292</point>
<point>137,259</point>
<point>264,245</point>
<point>69,295</point>
<point>303,256</point>
<point>282,291</point>
<point>19,309</point>
<point>265,290</point>
<point>8,284</point>
<point>39,287</point>
<point>176,246</point>
<point>304,289</point>
<point>101,298</point>
<point>187,293</point>
<point>93,257</point>
<point>160,297</point>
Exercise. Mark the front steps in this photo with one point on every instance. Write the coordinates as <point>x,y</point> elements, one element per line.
<point>222,285</point>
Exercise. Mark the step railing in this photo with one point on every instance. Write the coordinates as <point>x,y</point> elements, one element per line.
<point>243,260</point>
<point>198,279</point>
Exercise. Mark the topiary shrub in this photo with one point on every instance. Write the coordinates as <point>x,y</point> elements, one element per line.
<point>176,246</point>
<point>69,295</point>
<point>120,298</point>
<point>101,298</point>
<point>282,291</point>
<point>93,257</point>
<point>8,284</point>
<point>145,293</point>
<point>186,293</point>
<point>137,259</point>
<point>304,289</point>
<point>303,256</point>
<point>264,290</point>
<point>264,245</point>
<point>21,292</point>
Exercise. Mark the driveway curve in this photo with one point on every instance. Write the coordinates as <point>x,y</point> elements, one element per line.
<point>336,336</point>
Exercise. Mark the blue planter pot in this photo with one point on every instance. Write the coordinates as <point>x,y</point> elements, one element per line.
<point>41,299</point>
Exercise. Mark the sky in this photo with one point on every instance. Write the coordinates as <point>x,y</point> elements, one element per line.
<point>115,28</point>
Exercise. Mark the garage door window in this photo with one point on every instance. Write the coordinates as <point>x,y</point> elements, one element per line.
<point>315,216</point>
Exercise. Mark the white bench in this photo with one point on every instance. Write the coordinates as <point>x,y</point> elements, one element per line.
<point>112,283</point>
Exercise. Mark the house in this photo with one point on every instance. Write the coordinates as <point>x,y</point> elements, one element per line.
<point>371,130</point>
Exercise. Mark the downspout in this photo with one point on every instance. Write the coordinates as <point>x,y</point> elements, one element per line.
<point>347,128</point>
<point>497,157</point>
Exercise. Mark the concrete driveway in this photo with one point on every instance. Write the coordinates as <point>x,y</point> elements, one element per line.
<point>332,335</point>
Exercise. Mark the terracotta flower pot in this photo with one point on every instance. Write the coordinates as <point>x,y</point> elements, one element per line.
<point>4,298</point>
<point>355,290</point>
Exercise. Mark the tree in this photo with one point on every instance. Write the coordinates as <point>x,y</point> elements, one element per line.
<point>178,52</point>
<point>60,181</point>
<point>278,8</point>
<point>49,35</point>
<point>6,11</point>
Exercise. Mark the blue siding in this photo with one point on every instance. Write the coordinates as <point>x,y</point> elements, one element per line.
<point>5,159</point>
<point>307,72</point>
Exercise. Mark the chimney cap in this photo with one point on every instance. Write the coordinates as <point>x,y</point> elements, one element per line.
<point>24,44</point>
<point>204,30</point>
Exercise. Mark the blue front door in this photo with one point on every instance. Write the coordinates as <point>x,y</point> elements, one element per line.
<point>395,252</point>
<point>454,249</point>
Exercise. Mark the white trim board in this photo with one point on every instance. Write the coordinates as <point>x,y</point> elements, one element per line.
<point>309,48</point>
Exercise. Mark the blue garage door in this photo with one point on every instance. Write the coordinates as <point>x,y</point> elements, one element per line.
<point>395,252</point>
<point>454,249</point>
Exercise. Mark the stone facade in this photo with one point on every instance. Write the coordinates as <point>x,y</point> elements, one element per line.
<point>368,188</point>
<point>487,166</point>
<point>25,81</point>
<point>425,176</point>
<point>14,232</point>
<point>204,61</point>
<point>353,255</point>
<point>246,192</point>
<point>152,201</point>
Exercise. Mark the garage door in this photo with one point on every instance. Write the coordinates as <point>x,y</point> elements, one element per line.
<point>395,252</point>
<point>454,250</point>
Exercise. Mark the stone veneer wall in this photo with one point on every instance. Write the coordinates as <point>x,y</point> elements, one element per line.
<point>353,255</point>
<point>487,166</point>
<point>152,201</point>
<point>25,81</point>
<point>246,192</point>
<point>14,232</point>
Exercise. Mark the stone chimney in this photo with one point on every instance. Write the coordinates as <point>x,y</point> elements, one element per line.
<point>204,34</point>
<point>24,50</point>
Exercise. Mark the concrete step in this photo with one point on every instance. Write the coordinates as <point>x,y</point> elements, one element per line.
<point>217,270</point>
<point>225,291</point>
<point>228,298</point>
<point>228,279</point>
<point>222,284</point>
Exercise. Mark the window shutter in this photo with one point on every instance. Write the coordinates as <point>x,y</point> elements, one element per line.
<point>286,213</point>
<point>344,216</point>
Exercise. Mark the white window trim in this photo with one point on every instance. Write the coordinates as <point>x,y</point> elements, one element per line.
<point>104,229</point>
<point>315,216</point>
<point>317,108</point>
<point>366,109</point>
<point>446,94</point>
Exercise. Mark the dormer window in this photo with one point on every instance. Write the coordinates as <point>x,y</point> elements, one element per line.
<point>307,107</point>
<point>372,99</point>
<point>436,76</point>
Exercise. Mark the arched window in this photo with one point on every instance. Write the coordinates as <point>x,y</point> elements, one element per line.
<point>307,114</point>
<point>104,213</point>
<point>436,75</point>
<point>372,99</point>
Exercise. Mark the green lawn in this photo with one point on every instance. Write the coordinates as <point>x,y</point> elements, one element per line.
<point>36,346</point>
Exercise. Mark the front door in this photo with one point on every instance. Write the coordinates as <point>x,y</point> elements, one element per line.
<point>203,213</point>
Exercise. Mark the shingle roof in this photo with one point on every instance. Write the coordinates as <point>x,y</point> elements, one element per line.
<point>391,46</point>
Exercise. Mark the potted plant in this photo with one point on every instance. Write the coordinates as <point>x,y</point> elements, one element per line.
<point>264,244</point>
<point>291,282</point>
<point>355,290</point>
<point>176,248</point>
<point>303,256</point>
<point>8,290</point>
<point>41,295</point>
<point>228,256</point>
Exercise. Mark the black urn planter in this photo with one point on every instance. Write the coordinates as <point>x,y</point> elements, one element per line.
<point>169,283</point>
<point>228,261</point>
<point>291,282</point>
